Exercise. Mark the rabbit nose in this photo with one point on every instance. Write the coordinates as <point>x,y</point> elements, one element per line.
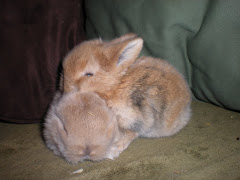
<point>74,88</point>
<point>86,154</point>
<point>87,151</point>
<point>71,88</point>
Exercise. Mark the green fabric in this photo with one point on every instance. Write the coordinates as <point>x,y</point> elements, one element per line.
<point>207,149</point>
<point>201,38</point>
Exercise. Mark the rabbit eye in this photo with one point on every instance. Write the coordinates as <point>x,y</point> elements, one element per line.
<point>88,74</point>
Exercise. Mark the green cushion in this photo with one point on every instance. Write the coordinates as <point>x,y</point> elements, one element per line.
<point>200,38</point>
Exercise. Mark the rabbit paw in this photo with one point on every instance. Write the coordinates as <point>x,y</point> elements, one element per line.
<point>113,153</point>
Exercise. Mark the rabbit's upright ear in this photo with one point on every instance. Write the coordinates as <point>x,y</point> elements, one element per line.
<point>124,53</point>
<point>130,51</point>
<point>123,38</point>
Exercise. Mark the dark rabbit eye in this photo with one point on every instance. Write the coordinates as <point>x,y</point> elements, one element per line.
<point>88,74</point>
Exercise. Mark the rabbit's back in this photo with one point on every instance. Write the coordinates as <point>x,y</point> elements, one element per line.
<point>153,98</point>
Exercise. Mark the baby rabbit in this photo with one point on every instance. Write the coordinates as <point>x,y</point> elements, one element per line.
<point>151,96</point>
<point>80,126</point>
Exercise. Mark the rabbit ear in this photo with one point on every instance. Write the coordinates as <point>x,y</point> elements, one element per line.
<point>123,54</point>
<point>123,38</point>
<point>130,51</point>
<point>60,122</point>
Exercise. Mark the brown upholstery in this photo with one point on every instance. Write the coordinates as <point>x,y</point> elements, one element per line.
<point>34,38</point>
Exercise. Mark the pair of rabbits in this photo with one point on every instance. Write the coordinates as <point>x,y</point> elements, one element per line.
<point>108,97</point>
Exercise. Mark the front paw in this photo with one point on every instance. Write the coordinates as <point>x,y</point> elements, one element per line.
<point>113,153</point>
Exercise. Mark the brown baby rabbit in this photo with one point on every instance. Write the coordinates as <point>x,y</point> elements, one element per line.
<point>150,96</point>
<point>81,126</point>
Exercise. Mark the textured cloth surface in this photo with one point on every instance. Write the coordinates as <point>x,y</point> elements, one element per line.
<point>206,149</point>
<point>200,38</point>
<point>34,38</point>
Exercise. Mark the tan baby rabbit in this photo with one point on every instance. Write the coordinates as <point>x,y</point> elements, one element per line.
<point>80,126</point>
<point>151,96</point>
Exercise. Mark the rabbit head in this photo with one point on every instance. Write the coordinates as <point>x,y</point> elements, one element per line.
<point>97,66</point>
<point>80,126</point>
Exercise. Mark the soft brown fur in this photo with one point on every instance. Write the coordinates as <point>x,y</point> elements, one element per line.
<point>80,126</point>
<point>150,96</point>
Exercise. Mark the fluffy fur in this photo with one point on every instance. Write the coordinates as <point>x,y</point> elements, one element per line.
<point>149,95</point>
<point>80,126</point>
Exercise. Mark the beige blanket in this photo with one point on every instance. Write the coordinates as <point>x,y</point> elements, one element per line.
<point>208,148</point>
